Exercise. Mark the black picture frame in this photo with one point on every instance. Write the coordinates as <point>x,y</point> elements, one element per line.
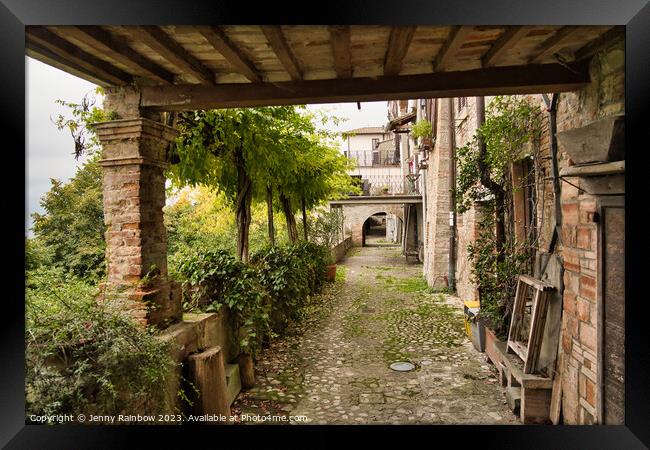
<point>15,14</point>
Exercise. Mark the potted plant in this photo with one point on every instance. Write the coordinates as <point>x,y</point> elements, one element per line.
<point>423,131</point>
<point>331,268</point>
<point>327,230</point>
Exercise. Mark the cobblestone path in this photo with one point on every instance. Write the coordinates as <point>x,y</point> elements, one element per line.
<point>334,369</point>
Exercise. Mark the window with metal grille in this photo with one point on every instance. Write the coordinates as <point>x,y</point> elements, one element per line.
<point>462,102</point>
<point>524,200</point>
<point>375,158</point>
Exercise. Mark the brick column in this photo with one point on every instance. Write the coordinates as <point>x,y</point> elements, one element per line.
<point>134,161</point>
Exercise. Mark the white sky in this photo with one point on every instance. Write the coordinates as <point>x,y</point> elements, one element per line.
<point>49,152</point>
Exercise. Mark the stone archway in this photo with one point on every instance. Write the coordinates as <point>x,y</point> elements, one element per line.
<point>356,215</point>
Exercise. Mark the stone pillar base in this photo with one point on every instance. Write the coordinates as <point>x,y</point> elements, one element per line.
<point>160,305</point>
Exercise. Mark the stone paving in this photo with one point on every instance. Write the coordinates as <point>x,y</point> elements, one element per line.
<point>334,368</point>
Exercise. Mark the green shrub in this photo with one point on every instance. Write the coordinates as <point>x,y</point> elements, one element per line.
<point>315,258</point>
<point>496,278</point>
<point>285,278</point>
<point>87,357</point>
<point>226,281</point>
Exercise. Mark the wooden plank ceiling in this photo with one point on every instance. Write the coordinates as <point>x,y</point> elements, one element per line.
<point>189,67</point>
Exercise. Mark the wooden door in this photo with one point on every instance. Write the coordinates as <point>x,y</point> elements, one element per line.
<point>613,311</point>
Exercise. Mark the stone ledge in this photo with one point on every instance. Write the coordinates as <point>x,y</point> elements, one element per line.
<point>126,161</point>
<point>198,332</point>
<point>592,170</point>
<point>134,128</point>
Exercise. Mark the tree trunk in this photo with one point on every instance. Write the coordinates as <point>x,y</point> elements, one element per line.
<point>292,230</point>
<point>243,206</point>
<point>304,219</point>
<point>495,188</point>
<point>269,206</point>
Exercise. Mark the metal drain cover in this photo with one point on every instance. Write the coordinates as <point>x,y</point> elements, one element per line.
<point>402,366</point>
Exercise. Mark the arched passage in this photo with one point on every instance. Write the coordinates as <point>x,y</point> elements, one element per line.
<point>373,231</point>
<point>356,215</point>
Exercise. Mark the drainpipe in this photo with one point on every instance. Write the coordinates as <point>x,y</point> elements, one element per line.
<point>452,200</point>
<point>551,106</point>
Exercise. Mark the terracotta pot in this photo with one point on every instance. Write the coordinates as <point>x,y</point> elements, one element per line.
<point>331,272</point>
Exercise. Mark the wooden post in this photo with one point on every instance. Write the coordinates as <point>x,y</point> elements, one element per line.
<point>246,370</point>
<point>208,375</point>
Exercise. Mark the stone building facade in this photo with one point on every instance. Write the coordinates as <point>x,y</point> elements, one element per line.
<point>590,245</point>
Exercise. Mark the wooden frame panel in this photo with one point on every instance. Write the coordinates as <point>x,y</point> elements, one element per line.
<point>529,352</point>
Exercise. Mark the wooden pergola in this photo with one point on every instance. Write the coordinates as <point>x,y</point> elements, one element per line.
<point>196,67</point>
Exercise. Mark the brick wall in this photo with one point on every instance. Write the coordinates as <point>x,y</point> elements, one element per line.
<point>467,222</point>
<point>604,96</point>
<point>436,221</point>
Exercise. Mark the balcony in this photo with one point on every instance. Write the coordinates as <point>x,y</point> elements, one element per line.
<point>382,185</point>
<point>376,158</point>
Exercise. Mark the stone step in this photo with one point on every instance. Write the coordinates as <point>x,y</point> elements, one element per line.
<point>513,397</point>
<point>233,382</point>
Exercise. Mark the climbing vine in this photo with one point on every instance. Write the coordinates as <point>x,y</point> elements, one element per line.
<point>510,133</point>
<point>81,124</point>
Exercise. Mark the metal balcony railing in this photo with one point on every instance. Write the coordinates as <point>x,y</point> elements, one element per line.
<point>388,184</point>
<point>376,158</point>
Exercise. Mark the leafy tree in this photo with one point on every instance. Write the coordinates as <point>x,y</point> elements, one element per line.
<point>319,174</point>
<point>251,153</point>
<point>72,227</point>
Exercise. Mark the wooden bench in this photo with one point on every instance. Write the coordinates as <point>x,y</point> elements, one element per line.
<point>530,393</point>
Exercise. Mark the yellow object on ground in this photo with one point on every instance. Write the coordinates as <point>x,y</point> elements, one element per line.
<point>471,308</point>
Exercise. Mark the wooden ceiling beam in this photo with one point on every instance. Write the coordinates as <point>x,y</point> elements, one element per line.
<point>66,52</point>
<point>161,43</point>
<point>282,50</point>
<point>398,44</point>
<point>218,39</point>
<point>45,56</point>
<point>118,49</point>
<point>340,41</point>
<point>602,41</point>
<point>503,45</point>
<point>553,44</point>
<point>450,48</point>
<point>506,80</point>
